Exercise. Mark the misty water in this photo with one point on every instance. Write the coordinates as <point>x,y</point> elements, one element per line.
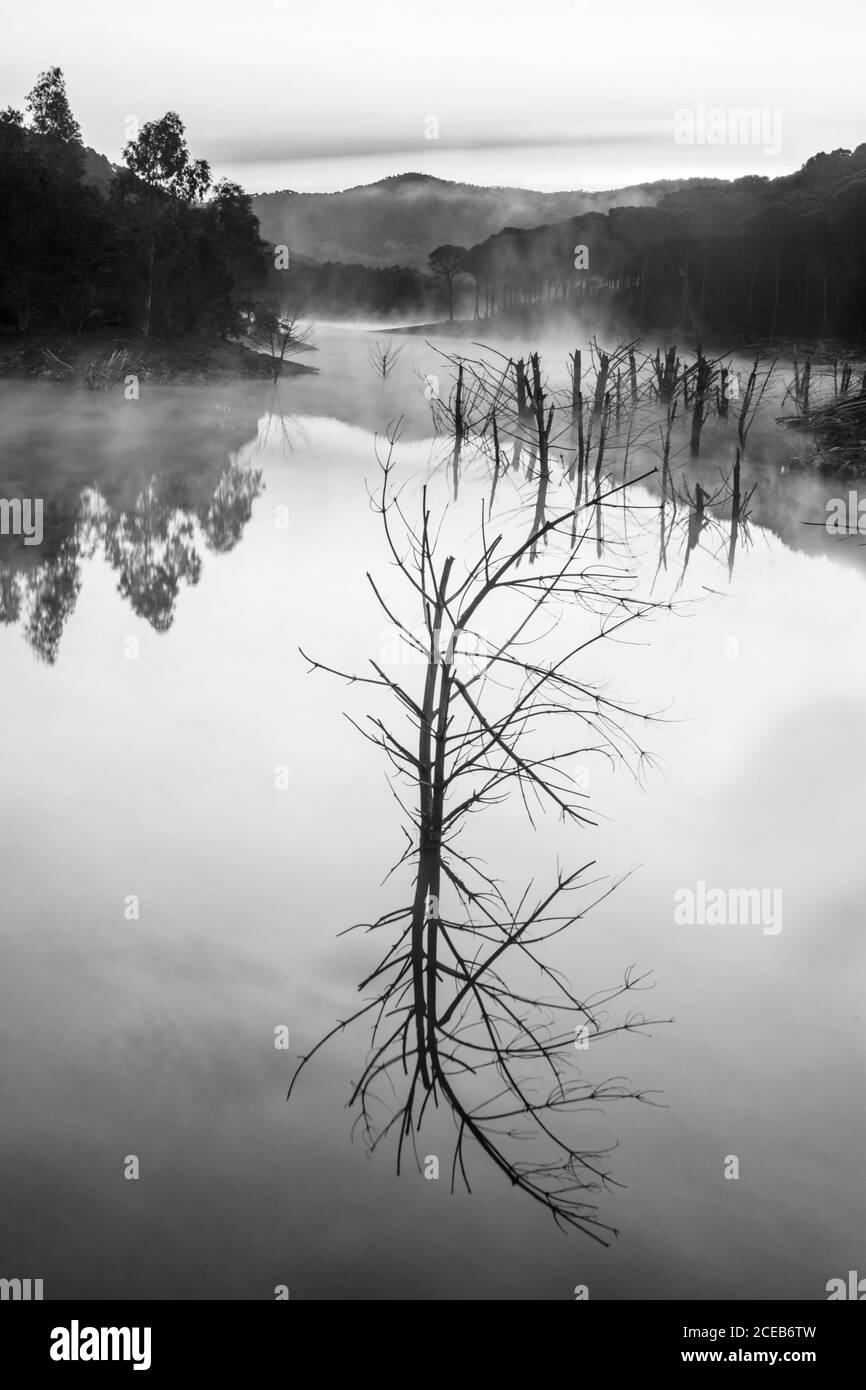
<point>222,529</point>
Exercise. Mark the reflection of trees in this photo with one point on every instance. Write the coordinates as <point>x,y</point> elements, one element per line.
<point>93,512</point>
<point>279,431</point>
<point>468,1016</point>
<point>107,500</point>
<point>224,520</point>
<point>52,592</point>
<point>10,596</point>
<point>153,547</point>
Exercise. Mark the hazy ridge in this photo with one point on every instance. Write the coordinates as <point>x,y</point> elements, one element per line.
<point>398,220</point>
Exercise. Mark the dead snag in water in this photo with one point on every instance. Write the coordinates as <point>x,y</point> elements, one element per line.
<point>703,385</point>
<point>452,1024</point>
<point>752,398</point>
<point>383,357</point>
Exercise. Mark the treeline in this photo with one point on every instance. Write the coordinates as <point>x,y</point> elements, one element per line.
<point>159,248</point>
<point>357,291</point>
<point>162,249</point>
<point>781,257</point>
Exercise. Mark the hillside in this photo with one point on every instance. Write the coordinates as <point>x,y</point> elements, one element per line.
<point>754,256</point>
<point>399,220</point>
<point>99,172</point>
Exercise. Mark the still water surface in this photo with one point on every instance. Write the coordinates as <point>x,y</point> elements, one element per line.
<point>154,777</point>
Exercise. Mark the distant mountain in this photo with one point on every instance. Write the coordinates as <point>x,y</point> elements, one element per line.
<point>399,220</point>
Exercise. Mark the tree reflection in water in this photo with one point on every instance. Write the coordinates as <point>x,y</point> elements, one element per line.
<point>153,545</point>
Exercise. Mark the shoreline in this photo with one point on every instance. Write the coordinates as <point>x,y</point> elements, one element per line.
<point>738,341</point>
<point>100,361</point>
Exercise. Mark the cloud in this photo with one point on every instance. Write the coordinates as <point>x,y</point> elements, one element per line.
<point>257,149</point>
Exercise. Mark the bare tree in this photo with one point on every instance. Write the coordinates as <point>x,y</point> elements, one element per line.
<point>454,1021</point>
<point>279,333</point>
<point>752,399</point>
<point>383,357</point>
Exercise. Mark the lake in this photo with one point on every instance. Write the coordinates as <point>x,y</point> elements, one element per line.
<point>189,820</point>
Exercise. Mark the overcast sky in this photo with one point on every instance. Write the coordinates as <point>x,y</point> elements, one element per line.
<point>547,94</point>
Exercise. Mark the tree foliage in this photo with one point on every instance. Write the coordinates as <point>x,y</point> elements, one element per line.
<point>757,256</point>
<point>49,107</point>
<point>161,249</point>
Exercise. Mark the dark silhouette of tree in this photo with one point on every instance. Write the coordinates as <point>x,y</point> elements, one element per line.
<point>234,255</point>
<point>383,357</point>
<point>147,248</point>
<point>49,107</point>
<point>278,333</point>
<point>160,161</point>
<point>446,262</point>
<point>53,237</point>
<point>755,256</point>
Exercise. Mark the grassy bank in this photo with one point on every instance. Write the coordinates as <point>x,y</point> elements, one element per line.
<point>99,361</point>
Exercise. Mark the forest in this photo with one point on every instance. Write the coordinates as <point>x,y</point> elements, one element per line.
<point>159,248</point>
<point>334,289</point>
<point>757,256</point>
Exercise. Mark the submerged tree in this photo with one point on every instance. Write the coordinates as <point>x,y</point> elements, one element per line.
<point>383,357</point>
<point>458,1020</point>
<point>278,333</point>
